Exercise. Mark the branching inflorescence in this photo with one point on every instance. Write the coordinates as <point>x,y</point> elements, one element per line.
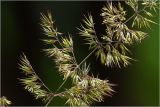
<point>111,48</point>
<point>85,90</point>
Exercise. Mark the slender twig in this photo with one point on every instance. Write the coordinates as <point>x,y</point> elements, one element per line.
<point>130,18</point>
<point>49,101</point>
<point>42,81</point>
<point>87,57</point>
<point>61,85</point>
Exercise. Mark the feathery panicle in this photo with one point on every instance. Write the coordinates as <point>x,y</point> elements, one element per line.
<point>112,48</point>
<point>108,49</point>
<point>152,4</point>
<point>61,53</point>
<point>113,57</point>
<point>82,94</point>
<point>4,101</point>
<point>64,61</point>
<point>25,65</point>
<point>87,30</point>
<point>32,82</point>
<point>140,20</point>
<point>88,91</point>
<point>118,36</point>
<point>33,86</point>
<point>113,15</point>
<point>124,35</point>
<point>48,25</point>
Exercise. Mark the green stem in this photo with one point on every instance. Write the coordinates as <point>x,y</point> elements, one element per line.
<point>130,18</point>
<point>61,86</point>
<point>87,57</point>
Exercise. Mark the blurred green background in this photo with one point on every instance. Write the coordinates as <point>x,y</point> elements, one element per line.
<point>137,84</point>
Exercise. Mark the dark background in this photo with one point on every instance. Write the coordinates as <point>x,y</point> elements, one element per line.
<point>137,84</point>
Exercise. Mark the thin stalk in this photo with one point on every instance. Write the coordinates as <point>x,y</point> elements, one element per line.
<point>41,81</point>
<point>87,57</point>
<point>130,18</point>
<point>49,101</point>
<point>61,85</point>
